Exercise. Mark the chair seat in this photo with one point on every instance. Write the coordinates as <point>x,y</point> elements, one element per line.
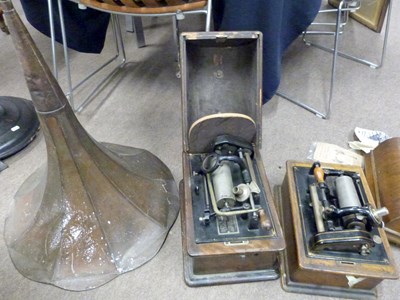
<point>143,7</point>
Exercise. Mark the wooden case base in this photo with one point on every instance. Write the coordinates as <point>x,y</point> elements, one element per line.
<point>226,275</point>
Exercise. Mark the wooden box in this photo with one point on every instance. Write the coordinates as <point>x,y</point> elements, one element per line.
<point>339,273</point>
<point>221,105</point>
<point>382,169</point>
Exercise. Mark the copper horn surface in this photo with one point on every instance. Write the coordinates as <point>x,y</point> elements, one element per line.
<point>96,210</point>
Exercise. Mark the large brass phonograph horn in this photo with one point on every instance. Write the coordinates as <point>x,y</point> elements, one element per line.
<point>97,210</point>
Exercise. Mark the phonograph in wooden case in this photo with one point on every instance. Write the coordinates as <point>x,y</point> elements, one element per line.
<point>230,228</point>
<point>335,242</point>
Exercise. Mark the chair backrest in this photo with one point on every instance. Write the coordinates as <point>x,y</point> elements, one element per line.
<point>145,6</point>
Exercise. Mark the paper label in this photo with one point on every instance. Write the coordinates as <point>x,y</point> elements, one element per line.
<point>352,280</point>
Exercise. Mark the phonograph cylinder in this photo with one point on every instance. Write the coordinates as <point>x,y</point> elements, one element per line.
<point>95,210</point>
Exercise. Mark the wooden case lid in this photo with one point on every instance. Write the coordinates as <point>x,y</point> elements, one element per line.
<point>382,169</point>
<point>221,87</point>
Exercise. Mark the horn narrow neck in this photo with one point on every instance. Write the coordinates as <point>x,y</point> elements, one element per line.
<point>46,93</point>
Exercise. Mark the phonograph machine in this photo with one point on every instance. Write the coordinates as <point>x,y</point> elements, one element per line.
<point>230,228</point>
<point>336,245</point>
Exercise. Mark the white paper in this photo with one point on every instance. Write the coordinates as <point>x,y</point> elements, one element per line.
<point>330,153</point>
<point>367,136</point>
<point>367,148</point>
<point>369,139</point>
<point>352,280</point>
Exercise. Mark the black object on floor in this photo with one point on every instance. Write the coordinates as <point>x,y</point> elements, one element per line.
<point>18,124</point>
<point>3,166</point>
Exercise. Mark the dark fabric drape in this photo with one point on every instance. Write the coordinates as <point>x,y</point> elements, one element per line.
<point>85,28</point>
<point>280,21</point>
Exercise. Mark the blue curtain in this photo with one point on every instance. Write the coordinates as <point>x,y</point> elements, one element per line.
<point>280,21</point>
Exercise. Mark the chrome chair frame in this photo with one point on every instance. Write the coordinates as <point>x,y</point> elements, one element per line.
<point>364,61</point>
<point>119,44</point>
<point>342,15</point>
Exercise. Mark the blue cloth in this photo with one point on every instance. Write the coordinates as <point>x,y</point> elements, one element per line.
<point>85,29</point>
<point>280,21</point>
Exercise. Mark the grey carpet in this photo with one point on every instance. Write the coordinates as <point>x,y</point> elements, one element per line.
<point>141,108</point>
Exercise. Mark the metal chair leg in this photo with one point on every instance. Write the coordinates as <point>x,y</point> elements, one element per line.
<point>363,61</point>
<point>69,95</point>
<point>326,114</point>
<point>208,15</point>
<point>120,48</point>
<point>120,51</point>
<point>137,23</point>
<point>134,24</point>
<point>341,19</point>
<point>53,42</point>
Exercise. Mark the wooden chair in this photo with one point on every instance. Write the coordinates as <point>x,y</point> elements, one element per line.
<point>178,9</point>
<point>146,7</point>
